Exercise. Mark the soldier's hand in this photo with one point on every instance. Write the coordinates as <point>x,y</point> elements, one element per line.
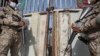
<point>21,23</point>
<point>75,27</point>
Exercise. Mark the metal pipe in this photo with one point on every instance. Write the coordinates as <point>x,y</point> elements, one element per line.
<point>48,19</point>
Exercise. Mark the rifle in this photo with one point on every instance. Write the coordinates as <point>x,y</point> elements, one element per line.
<point>84,13</point>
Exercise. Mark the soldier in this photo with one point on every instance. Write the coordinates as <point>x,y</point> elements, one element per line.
<point>91,28</point>
<point>10,24</point>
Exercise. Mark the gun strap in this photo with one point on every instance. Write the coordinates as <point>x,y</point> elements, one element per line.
<point>86,41</point>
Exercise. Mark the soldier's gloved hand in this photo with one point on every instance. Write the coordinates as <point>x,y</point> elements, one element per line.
<point>75,27</point>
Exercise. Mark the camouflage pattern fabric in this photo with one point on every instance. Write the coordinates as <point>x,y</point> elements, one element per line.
<point>9,36</point>
<point>9,39</point>
<point>92,30</point>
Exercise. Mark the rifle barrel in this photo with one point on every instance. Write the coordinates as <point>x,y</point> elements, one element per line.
<point>72,37</point>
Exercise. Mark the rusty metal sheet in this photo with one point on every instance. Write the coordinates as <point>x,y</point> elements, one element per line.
<point>35,36</point>
<point>42,35</point>
<point>39,28</point>
<point>61,32</point>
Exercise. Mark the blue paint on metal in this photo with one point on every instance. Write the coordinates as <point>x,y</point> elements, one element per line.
<point>32,6</point>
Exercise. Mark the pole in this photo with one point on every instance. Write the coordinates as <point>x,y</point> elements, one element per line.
<point>48,23</point>
<point>23,33</point>
<point>48,14</point>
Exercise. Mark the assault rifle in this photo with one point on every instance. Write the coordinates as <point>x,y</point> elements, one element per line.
<point>85,13</point>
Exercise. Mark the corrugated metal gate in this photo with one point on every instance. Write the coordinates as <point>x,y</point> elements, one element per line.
<point>61,32</point>
<point>36,35</point>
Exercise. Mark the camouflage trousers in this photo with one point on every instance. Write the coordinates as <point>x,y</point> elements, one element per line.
<point>94,47</point>
<point>9,39</point>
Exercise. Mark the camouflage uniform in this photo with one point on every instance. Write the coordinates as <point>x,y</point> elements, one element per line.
<point>92,31</point>
<point>9,37</point>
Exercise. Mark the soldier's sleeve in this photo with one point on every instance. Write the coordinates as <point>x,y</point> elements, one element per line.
<point>89,24</point>
<point>10,22</point>
<point>1,13</point>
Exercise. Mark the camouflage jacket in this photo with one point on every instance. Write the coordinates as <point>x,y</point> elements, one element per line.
<point>9,16</point>
<point>89,27</point>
